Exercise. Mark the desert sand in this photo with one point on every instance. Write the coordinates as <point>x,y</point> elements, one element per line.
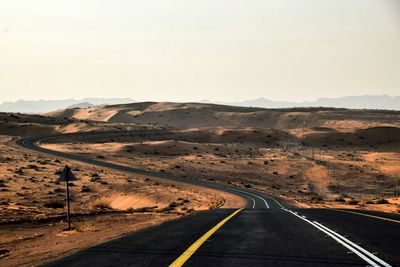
<point>313,157</point>
<point>318,157</point>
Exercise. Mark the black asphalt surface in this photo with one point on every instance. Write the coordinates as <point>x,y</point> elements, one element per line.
<point>266,233</point>
<point>375,235</point>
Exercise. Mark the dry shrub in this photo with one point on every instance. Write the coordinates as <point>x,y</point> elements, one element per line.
<point>55,204</point>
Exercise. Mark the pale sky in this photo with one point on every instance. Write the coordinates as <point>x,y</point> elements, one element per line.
<point>190,50</point>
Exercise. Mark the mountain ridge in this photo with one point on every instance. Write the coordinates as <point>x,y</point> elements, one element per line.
<point>351,102</point>
<point>43,106</point>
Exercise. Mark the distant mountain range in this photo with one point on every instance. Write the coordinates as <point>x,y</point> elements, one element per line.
<point>352,102</point>
<point>42,106</point>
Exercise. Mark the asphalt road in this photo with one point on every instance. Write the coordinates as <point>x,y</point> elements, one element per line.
<point>267,233</point>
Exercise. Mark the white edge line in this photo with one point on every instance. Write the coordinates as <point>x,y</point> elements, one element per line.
<point>266,203</point>
<point>319,226</point>
<point>246,196</point>
<point>340,239</point>
<point>277,202</point>
<point>358,253</point>
<point>355,245</point>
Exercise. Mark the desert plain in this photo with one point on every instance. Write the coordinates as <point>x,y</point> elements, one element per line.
<point>306,157</point>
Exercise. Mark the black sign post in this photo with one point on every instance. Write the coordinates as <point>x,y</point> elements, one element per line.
<point>67,176</point>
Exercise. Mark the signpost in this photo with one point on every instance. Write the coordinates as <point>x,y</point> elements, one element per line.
<point>67,176</point>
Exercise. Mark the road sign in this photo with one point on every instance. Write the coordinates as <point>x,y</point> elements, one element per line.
<point>67,176</point>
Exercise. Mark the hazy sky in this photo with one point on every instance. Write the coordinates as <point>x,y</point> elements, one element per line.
<point>191,50</point>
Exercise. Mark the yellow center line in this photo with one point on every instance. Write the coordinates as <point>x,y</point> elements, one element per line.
<point>368,215</point>
<point>195,246</point>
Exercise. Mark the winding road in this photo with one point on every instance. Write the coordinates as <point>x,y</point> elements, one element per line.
<point>268,232</point>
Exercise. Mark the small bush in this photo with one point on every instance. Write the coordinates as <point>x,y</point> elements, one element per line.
<point>4,252</point>
<point>59,190</point>
<point>382,201</point>
<point>19,171</point>
<point>54,204</point>
<point>85,189</point>
<point>173,204</point>
<point>32,166</point>
<point>340,199</point>
<point>316,198</point>
<point>352,202</point>
<point>95,179</point>
<point>166,209</point>
<point>144,209</point>
<point>5,201</point>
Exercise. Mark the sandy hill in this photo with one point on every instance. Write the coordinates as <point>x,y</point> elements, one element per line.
<point>19,124</point>
<point>25,124</point>
<point>197,115</point>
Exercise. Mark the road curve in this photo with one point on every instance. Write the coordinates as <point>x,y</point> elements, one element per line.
<point>254,199</point>
<point>266,233</point>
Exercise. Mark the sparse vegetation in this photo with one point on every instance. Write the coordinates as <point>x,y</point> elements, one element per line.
<point>353,202</point>
<point>55,204</point>
<point>102,206</point>
<point>249,149</point>
<point>381,201</point>
<point>3,183</point>
<point>5,201</point>
<point>143,209</point>
<point>86,189</point>
<point>340,199</point>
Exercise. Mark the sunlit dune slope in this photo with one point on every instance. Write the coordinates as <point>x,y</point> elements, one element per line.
<point>194,115</point>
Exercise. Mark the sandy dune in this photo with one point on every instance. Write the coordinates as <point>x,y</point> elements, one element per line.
<point>194,115</point>
<point>310,157</point>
